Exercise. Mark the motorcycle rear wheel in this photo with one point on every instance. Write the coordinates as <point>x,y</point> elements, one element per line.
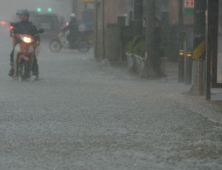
<point>83,46</point>
<point>55,46</point>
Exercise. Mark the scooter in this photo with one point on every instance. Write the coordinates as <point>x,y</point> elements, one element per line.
<point>24,54</point>
<point>82,44</point>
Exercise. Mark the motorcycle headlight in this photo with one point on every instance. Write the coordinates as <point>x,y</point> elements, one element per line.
<point>26,39</point>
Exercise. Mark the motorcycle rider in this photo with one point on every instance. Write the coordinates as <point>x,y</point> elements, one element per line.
<point>73,27</point>
<point>24,27</point>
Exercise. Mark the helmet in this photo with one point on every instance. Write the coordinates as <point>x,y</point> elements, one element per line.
<point>73,15</point>
<point>23,12</point>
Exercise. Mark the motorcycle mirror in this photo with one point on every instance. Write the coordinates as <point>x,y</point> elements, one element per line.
<point>40,31</point>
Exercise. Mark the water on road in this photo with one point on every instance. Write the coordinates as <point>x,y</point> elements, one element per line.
<point>89,116</point>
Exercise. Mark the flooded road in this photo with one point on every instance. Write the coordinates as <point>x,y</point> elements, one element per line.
<point>88,116</point>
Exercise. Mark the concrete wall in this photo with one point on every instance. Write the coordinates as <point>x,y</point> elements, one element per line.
<point>112,44</point>
<point>78,8</point>
<point>115,8</point>
<point>174,12</point>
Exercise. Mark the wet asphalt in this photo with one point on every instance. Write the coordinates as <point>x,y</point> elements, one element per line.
<point>84,115</point>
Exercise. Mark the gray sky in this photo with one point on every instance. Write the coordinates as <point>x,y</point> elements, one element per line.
<point>7,10</point>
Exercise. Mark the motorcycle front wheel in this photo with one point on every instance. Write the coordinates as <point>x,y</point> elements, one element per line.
<point>23,71</point>
<point>55,46</point>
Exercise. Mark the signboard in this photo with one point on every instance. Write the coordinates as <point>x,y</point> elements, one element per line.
<point>189,7</point>
<point>188,12</point>
<point>189,4</point>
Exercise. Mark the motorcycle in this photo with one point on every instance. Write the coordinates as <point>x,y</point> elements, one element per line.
<point>81,43</point>
<point>26,54</point>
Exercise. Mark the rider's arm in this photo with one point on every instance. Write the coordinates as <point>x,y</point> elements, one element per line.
<point>35,33</point>
<point>12,31</point>
<point>37,38</point>
<point>67,27</point>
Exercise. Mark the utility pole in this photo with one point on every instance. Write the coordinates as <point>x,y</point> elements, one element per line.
<point>103,29</point>
<point>212,50</point>
<point>95,27</point>
<point>138,18</point>
<point>150,37</point>
<point>209,49</point>
<point>199,45</point>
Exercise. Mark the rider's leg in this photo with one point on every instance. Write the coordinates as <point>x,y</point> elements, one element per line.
<point>72,41</point>
<point>37,51</point>
<point>35,69</point>
<point>11,72</point>
<point>15,60</point>
<point>12,58</point>
<point>31,65</point>
<point>68,37</point>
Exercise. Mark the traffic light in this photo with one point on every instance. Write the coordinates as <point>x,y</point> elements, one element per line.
<point>39,9</point>
<point>50,9</point>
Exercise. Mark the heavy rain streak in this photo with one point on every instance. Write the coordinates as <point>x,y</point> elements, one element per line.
<point>110,85</point>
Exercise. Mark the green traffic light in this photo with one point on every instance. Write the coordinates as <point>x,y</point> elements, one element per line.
<point>39,9</point>
<point>50,9</point>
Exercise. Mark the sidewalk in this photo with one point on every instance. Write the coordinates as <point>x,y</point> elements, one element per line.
<point>214,111</point>
<point>211,110</point>
<point>171,69</point>
<point>216,101</point>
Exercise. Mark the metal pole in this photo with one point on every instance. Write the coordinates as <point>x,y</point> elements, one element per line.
<point>208,85</point>
<point>188,79</point>
<point>189,55</point>
<point>103,29</point>
<point>181,43</point>
<point>181,66</point>
<point>95,27</point>
<point>199,47</point>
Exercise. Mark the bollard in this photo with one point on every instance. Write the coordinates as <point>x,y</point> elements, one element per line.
<point>181,66</point>
<point>188,74</point>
